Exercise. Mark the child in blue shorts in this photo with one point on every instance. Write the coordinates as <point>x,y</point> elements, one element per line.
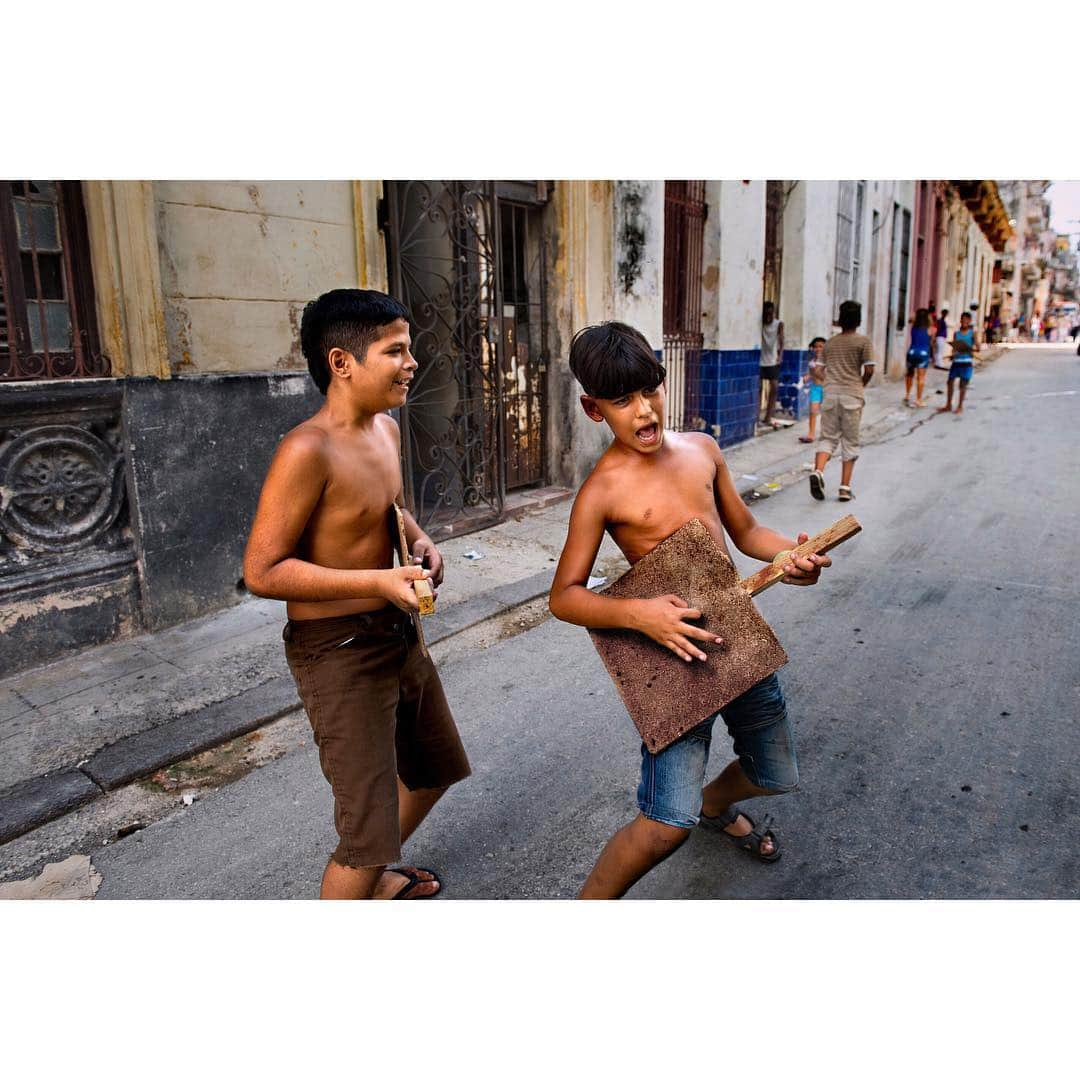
<point>965,345</point>
<point>648,483</point>
<point>918,359</point>
<point>817,385</point>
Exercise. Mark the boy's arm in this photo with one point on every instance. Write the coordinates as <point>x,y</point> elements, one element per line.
<point>661,618</point>
<point>756,540</point>
<point>868,365</point>
<point>290,493</point>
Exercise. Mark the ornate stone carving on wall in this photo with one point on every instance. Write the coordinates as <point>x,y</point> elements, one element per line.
<point>61,488</point>
<point>63,507</point>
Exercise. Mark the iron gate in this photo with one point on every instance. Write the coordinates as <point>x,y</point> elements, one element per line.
<point>442,246</point>
<point>684,233</point>
<point>469,266</point>
<point>524,342</point>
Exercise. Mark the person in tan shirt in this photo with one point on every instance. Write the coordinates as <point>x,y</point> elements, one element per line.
<point>849,366</point>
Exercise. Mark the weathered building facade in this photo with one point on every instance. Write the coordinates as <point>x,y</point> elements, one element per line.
<point>149,354</point>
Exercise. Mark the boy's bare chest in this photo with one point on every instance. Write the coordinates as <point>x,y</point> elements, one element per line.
<point>652,508</point>
<point>362,483</point>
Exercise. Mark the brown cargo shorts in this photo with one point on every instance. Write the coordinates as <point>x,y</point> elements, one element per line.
<point>378,712</point>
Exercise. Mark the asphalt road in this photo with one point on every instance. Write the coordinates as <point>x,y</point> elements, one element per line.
<point>933,685</point>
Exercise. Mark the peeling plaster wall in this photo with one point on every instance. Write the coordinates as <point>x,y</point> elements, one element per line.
<point>239,259</point>
<point>638,269</point>
<point>581,237</point>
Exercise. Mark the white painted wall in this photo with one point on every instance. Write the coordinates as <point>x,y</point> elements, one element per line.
<point>806,286</point>
<point>740,250</point>
<point>239,259</point>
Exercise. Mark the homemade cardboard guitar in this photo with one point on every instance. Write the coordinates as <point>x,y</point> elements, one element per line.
<point>666,696</point>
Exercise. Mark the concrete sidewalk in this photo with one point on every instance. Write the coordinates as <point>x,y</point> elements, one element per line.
<point>91,723</point>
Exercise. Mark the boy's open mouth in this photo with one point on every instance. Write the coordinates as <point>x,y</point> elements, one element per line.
<point>648,435</point>
<point>403,383</point>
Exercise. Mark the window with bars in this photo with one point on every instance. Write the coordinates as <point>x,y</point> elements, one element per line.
<point>902,281</point>
<point>47,325</point>
<point>845,241</point>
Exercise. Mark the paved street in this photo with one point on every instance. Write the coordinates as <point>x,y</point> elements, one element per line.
<point>932,683</point>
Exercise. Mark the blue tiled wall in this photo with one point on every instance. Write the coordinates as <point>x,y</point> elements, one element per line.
<point>729,393</point>
<point>793,393</point>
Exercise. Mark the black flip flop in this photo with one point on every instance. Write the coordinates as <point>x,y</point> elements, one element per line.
<point>412,881</point>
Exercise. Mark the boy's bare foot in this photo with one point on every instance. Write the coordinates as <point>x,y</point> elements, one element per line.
<point>392,884</point>
<point>959,409</point>
<point>945,408</point>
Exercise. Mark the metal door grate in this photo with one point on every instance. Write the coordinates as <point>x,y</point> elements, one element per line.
<point>442,247</point>
<point>684,233</point>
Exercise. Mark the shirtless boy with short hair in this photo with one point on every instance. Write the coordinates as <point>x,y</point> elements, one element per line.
<point>647,485</point>
<point>322,540</point>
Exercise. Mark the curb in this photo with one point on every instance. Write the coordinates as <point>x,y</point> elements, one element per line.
<point>35,802</point>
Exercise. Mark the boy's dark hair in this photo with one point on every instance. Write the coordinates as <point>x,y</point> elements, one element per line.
<point>965,314</point>
<point>613,359</point>
<point>944,311</point>
<point>814,341</point>
<point>850,315</point>
<point>348,319</point>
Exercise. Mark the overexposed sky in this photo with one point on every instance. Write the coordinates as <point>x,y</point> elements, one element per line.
<point>1065,206</point>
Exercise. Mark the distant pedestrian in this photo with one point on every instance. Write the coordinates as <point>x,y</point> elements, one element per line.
<point>817,385</point>
<point>772,353</point>
<point>1036,326</point>
<point>941,337</point>
<point>931,310</point>
<point>918,359</point>
<point>965,345</point>
<point>849,366</point>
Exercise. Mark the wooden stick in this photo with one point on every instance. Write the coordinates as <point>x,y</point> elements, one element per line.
<point>421,586</point>
<point>837,533</point>
<point>403,558</point>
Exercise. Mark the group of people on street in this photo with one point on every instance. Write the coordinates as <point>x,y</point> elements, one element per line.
<point>840,368</point>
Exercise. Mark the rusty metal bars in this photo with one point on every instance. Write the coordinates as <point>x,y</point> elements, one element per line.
<point>684,234</point>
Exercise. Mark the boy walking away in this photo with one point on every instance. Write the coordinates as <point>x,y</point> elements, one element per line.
<point>647,485</point>
<point>965,346</point>
<point>817,385</point>
<point>918,359</point>
<point>941,337</point>
<point>849,366</point>
<point>322,541</point>
<point>772,353</point>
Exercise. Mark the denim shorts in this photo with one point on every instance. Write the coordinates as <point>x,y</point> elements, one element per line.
<point>961,369</point>
<point>671,781</point>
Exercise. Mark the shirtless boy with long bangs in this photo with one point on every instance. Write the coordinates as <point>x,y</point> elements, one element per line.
<point>322,540</point>
<point>646,485</point>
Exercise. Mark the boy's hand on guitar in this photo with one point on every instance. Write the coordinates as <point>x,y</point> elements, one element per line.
<point>426,549</point>
<point>398,588</point>
<point>664,620</point>
<point>806,569</point>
